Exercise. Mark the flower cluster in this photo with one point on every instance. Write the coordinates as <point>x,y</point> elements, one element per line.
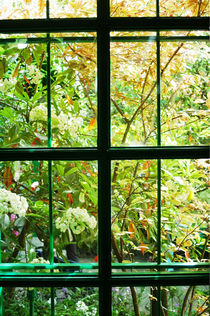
<point>40,260</point>
<point>6,84</point>
<point>62,121</point>
<point>35,74</point>
<point>76,219</point>
<point>82,307</point>
<point>12,203</point>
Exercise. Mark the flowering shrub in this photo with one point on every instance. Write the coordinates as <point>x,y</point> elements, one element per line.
<point>12,203</point>
<point>76,219</point>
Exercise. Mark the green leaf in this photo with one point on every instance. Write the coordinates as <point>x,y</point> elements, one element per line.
<point>3,67</point>
<point>72,170</point>
<point>4,221</point>
<point>82,197</point>
<point>7,112</point>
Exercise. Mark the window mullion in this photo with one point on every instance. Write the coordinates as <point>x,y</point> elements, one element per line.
<point>104,177</point>
<point>159,161</point>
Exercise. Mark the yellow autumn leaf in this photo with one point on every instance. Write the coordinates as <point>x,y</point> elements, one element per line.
<point>191,195</point>
<point>41,6</point>
<point>187,243</point>
<point>179,240</point>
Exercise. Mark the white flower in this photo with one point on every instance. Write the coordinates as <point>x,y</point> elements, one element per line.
<point>6,84</point>
<point>12,203</point>
<point>40,260</point>
<point>81,306</point>
<point>39,113</point>
<point>76,219</point>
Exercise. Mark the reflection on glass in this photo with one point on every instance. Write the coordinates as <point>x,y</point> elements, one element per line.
<point>23,109</point>
<point>184,90</point>
<point>134,205</point>
<point>186,8</point>
<point>72,9</point>
<point>185,206</point>
<point>75,189</point>
<point>133,93</point>
<point>127,8</point>
<point>73,93</point>
<point>24,211</point>
<point>25,9</point>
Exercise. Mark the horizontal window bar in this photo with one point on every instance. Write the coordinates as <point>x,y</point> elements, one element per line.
<point>127,39</point>
<point>112,153</point>
<point>148,265</point>
<point>159,152</point>
<point>112,24</point>
<point>147,279</point>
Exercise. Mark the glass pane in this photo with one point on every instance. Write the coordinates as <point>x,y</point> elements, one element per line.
<point>185,96</point>
<point>186,300</point>
<point>72,9</point>
<point>185,207</point>
<point>24,211</point>
<point>133,93</point>
<point>37,301</point>
<point>134,211</point>
<point>129,8</point>
<point>74,95</point>
<point>123,304</point>
<point>23,301</point>
<point>184,8</point>
<point>23,108</point>
<point>77,301</point>
<point>25,9</point>
<point>75,210</point>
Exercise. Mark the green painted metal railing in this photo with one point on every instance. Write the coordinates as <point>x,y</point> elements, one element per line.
<point>142,274</point>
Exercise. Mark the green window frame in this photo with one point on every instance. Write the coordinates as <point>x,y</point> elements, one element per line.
<point>104,153</point>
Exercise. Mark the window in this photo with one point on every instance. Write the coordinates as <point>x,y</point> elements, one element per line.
<point>68,117</point>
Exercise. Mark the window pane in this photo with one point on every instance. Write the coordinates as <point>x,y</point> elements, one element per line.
<point>25,9</point>
<point>75,210</point>
<point>77,301</point>
<point>23,108</point>
<point>185,206</point>
<point>24,211</point>
<point>72,301</point>
<point>73,93</point>
<point>185,97</point>
<point>18,300</point>
<point>193,300</point>
<point>134,211</point>
<point>72,9</point>
<point>184,8</point>
<point>133,93</point>
<point>129,8</point>
<point>122,303</point>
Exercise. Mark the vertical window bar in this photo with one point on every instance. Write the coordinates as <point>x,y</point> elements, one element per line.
<point>104,180</point>
<point>158,144</point>
<point>49,143</point>
<point>159,161</point>
<point>50,183</point>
